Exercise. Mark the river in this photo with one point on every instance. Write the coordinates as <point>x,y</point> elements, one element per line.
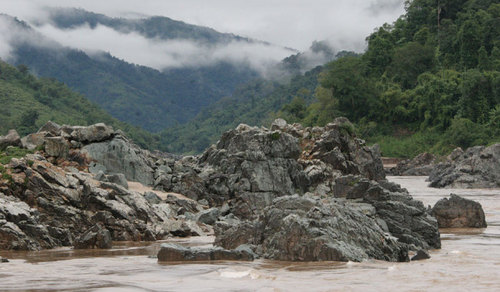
<point>468,261</point>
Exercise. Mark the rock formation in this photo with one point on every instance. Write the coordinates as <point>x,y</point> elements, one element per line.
<point>420,165</point>
<point>458,212</point>
<point>477,167</point>
<point>170,252</point>
<point>288,193</point>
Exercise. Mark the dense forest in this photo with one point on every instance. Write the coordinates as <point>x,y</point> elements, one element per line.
<point>29,102</point>
<point>428,82</point>
<point>139,95</point>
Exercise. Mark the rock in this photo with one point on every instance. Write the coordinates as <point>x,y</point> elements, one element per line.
<point>209,216</point>
<point>477,167</point>
<point>120,156</point>
<point>152,198</point>
<point>4,260</point>
<point>116,178</point>
<point>94,133</point>
<point>95,237</point>
<point>421,255</point>
<point>11,139</point>
<point>421,165</point>
<point>57,147</point>
<point>278,124</point>
<point>458,212</point>
<point>170,252</point>
<point>35,140</point>
<point>51,128</point>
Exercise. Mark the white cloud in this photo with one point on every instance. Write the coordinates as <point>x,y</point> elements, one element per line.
<point>162,54</point>
<point>292,23</point>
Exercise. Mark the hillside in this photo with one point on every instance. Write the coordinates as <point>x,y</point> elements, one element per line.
<point>135,94</point>
<point>28,103</point>
<point>428,82</point>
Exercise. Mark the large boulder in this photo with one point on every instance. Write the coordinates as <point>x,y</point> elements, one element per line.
<point>95,237</point>
<point>119,155</point>
<point>477,167</point>
<point>11,139</point>
<point>306,228</point>
<point>458,212</point>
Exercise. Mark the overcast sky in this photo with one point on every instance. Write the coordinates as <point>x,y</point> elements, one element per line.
<point>291,23</point>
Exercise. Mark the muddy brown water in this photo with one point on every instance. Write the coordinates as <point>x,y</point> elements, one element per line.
<point>468,261</point>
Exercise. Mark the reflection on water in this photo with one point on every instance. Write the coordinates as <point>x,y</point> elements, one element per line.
<point>469,260</point>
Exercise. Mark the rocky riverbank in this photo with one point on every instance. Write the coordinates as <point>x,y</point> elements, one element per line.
<point>286,193</point>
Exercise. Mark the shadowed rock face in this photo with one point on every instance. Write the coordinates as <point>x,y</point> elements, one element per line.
<point>421,165</point>
<point>175,253</point>
<point>458,212</point>
<point>477,167</point>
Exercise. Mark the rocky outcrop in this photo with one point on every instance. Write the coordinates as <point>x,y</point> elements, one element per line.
<point>170,252</point>
<point>477,167</point>
<point>11,139</point>
<point>421,165</point>
<point>458,212</point>
<point>44,206</point>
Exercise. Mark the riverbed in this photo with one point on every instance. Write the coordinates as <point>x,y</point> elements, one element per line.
<point>469,260</point>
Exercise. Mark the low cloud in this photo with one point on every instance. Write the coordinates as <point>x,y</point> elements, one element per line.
<point>163,54</point>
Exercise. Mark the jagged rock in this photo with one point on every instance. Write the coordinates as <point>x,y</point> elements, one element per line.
<point>51,127</point>
<point>116,178</point>
<point>120,156</point>
<point>421,255</point>
<point>152,198</point>
<point>35,140</point>
<point>94,133</point>
<point>95,237</point>
<point>458,212</point>
<point>477,167</point>
<point>421,165</point>
<point>11,139</point>
<point>209,216</point>
<point>57,147</point>
<point>308,229</point>
<point>170,252</point>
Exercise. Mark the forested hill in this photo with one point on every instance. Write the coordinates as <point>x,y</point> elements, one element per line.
<point>28,102</point>
<point>135,94</point>
<point>158,27</point>
<point>428,82</point>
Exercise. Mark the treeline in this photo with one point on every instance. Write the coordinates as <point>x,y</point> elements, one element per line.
<point>428,82</point>
<point>28,102</point>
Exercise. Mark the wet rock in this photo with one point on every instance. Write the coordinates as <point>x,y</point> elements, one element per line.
<point>458,212</point>
<point>297,228</point>
<point>421,165</point>
<point>4,260</point>
<point>95,237</point>
<point>175,253</point>
<point>421,255</point>
<point>477,167</point>
<point>11,139</point>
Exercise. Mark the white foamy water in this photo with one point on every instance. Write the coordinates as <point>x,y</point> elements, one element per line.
<point>468,261</point>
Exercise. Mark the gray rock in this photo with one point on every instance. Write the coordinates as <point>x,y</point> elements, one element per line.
<point>209,216</point>
<point>170,252</point>
<point>4,260</point>
<point>458,212</point>
<point>35,140</point>
<point>421,255</point>
<point>94,133</point>
<point>51,127</point>
<point>477,167</point>
<point>420,165</point>
<point>120,156</point>
<point>95,237</point>
<point>11,139</point>
<point>57,147</point>
<point>152,198</point>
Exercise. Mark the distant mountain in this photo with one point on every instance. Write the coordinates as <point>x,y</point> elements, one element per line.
<point>152,27</point>
<point>135,94</point>
<point>28,102</point>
